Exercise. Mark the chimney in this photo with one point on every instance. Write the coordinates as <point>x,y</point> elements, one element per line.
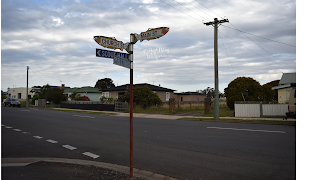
<point>62,86</point>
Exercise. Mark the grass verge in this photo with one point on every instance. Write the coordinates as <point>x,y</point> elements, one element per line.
<point>253,121</point>
<point>81,111</point>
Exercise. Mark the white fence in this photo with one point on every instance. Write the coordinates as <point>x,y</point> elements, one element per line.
<point>260,110</point>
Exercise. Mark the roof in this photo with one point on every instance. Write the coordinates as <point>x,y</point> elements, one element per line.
<point>288,78</point>
<point>82,90</point>
<point>127,86</point>
<point>190,93</point>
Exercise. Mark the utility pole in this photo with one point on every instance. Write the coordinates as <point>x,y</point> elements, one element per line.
<point>27,101</point>
<point>216,22</point>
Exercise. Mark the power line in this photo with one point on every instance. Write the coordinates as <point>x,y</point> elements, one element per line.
<point>189,9</point>
<point>248,48</point>
<point>181,11</point>
<point>258,36</point>
<point>227,55</point>
<point>209,9</point>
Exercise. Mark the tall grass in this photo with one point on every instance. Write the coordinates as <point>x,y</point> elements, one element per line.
<point>186,108</point>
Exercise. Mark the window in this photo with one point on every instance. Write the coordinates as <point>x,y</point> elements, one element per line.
<point>288,92</point>
<point>167,96</point>
<point>106,94</point>
<point>19,95</point>
<point>181,98</point>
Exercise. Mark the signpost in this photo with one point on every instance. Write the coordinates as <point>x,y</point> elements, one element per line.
<point>126,60</point>
<point>152,33</point>
<point>121,59</point>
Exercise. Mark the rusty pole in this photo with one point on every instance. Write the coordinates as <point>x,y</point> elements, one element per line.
<point>131,104</point>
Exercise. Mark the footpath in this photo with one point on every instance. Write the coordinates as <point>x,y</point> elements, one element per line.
<point>76,169</point>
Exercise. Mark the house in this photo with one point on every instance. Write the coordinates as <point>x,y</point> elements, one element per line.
<point>164,93</point>
<point>190,96</point>
<point>288,80</point>
<point>19,93</point>
<point>92,93</point>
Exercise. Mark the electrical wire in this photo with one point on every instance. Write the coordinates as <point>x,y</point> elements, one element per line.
<point>190,9</point>
<point>256,35</point>
<point>227,55</point>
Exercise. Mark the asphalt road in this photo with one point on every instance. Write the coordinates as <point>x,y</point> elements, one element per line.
<point>176,148</point>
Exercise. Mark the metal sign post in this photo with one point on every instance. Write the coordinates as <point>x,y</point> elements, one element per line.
<point>126,60</point>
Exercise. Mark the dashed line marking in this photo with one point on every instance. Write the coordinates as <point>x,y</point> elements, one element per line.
<point>235,129</point>
<point>16,129</point>
<point>94,156</point>
<point>38,137</point>
<point>26,133</point>
<point>8,127</point>
<point>51,141</point>
<point>3,125</point>
<point>84,116</point>
<point>69,147</point>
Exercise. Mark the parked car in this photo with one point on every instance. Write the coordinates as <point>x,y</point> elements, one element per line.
<point>12,102</point>
<point>292,103</point>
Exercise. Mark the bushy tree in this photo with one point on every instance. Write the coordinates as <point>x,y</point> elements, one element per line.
<point>142,96</point>
<point>269,94</point>
<point>104,83</point>
<point>243,89</point>
<point>52,94</point>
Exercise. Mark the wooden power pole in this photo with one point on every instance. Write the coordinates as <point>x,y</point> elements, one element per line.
<point>215,24</point>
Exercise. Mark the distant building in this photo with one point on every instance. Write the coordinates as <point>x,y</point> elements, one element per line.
<point>190,96</point>
<point>288,80</point>
<point>19,93</point>
<point>164,93</point>
<point>92,93</point>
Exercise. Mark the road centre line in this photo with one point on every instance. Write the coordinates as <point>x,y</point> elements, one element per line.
<point>26,110</point>
<point>69,147</point>
<point>8,127</point>
<point>51,141</point>
<point>38,137</point>
<point>94,156</point>
<point>84,116</point>
<point>235,129</point>
<point>17,130</point>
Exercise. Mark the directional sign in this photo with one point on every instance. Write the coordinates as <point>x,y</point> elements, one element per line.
<point>152,33</point>
<point>110,42</point>
<point>121,59</point>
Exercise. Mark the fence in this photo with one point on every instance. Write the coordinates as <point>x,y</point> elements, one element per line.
<point>257,109</point>
<point>120,106</point>
<point>88,105</point>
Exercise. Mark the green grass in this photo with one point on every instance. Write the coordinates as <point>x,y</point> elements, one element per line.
<point>80,111</point>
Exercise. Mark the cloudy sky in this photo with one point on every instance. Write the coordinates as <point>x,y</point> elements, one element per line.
<point>55,39</point>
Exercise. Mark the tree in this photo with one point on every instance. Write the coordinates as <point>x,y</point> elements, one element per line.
<point>104,83</point>
<point>209,92</point>
<point>52,94</point>
<point>243,89</point>
<point>142,96</point>
<point>270,94</point>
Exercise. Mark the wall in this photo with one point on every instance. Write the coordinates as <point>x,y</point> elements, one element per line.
<point>162,95</point>
<point>190,97</point>
<point>13,92</point>
<point>283,95</point>
<point>260,110</point>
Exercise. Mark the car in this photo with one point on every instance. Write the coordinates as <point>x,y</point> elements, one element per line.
<point>12,102</point>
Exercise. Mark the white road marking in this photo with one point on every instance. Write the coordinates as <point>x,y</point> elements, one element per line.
<point>17,130</point>
<point>235,129</point>
<point>69,147</point>
<point>84,116</point>
<point>94,156</point>
<point>38,137</point>
<point>8,127</point>
<point>3,125</point>
<point>26,133</point>
<point>51,141</point>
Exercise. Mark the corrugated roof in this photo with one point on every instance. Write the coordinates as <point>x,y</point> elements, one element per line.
<point>288,78</point>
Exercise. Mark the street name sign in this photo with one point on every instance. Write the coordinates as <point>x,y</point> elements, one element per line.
<point>110,42</point>
<point>121,59</point>
<point>152,33</point>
